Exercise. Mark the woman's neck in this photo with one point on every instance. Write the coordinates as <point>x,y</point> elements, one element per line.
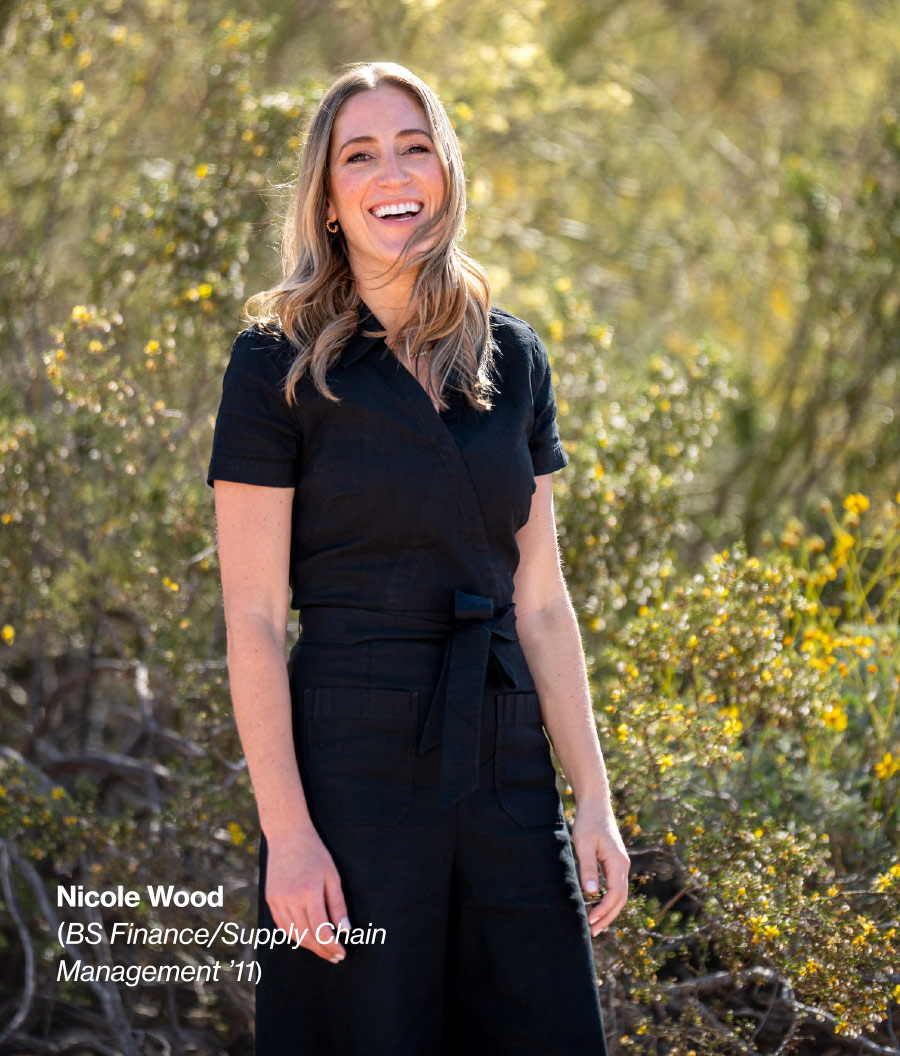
<point>389,303</point>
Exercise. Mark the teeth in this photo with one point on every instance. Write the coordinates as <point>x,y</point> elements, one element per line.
<point>399,207</point>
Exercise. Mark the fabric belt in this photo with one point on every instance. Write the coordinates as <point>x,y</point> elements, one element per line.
<point>460,691</point>
<point>454,716</point>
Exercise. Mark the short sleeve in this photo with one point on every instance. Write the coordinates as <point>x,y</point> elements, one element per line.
<point>256,440</point>
<point>547,452</point>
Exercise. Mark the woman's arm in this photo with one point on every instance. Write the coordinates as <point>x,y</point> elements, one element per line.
<point>548,630</point>
<point>254,530</point>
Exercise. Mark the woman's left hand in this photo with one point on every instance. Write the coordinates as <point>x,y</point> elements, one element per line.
<point>596,838</point>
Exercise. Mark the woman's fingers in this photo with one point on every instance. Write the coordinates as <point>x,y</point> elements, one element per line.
<point>304,912</point>
<point>322,938</point>
<point>599,846</point>
<point>334,899</point>
<point>292,921</point>
<point>604,913</point>
<point>590,873</point>
<point>301,878</point>
<point>615,865</point>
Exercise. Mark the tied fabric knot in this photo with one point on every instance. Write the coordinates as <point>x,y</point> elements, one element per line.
<point>455,712</point>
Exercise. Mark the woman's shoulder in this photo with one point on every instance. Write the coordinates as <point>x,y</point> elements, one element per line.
<point>259,334</point>
<point>510,329</point>
<point>517,345</point>
<point>265,343</point>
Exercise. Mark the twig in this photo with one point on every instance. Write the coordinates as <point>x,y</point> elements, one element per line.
<point>889,1016</point>
<point>764,1019</point>
<point>789,1037</point>
<point>702,985</point>
<point>148,722</point>
<point>612,1026</point>
<point>857,1039</point>
<point>688,889</point>
<point>108,995</point>
<point>9,896</point>
<point>75,1040</point>
<point>673,942</point>
<point>727,1035</point>
<point>112,763</point>
<point>717,981</point>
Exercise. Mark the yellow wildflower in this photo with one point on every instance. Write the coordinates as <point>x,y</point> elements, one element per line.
<point>835,717</point>
<point>732,728</point>
<point>856,503</point>
<point>887,767</point>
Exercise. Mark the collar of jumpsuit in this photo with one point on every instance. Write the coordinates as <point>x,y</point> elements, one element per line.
<point>474,628</point>
<point>358,345</point>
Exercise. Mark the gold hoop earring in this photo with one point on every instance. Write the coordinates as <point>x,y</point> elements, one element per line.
<point>334,230</point>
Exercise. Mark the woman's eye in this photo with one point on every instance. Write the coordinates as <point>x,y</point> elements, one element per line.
<point>361,154</point>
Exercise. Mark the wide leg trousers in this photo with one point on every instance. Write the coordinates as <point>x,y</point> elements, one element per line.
<point>472,926</point>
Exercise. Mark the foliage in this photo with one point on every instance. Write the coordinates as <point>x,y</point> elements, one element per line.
<point>761,773</point>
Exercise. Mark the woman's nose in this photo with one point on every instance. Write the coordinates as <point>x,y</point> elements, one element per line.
<point>392,171</point>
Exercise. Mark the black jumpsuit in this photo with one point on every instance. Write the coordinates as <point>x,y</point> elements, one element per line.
<point>416,722</point>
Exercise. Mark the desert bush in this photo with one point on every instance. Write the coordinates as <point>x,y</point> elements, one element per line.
<point>752,733</point>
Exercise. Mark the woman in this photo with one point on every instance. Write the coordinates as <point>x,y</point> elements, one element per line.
<point>385,441</point>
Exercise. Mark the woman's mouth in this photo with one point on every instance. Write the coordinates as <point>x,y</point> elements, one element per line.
<point>397,212</point>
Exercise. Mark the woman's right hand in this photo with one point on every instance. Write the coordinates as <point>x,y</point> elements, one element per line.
<point>303,888</point>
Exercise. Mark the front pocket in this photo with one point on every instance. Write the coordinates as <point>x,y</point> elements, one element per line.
<point>358,752</point>
<point>524,774</point>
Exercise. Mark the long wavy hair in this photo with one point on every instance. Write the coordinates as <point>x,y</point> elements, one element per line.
<point>316,304</point>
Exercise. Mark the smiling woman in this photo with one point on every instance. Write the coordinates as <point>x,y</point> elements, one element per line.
<point>384,445</point>
<point>380,195</point>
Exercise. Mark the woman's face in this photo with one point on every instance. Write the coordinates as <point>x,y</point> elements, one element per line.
<point>382,160</point>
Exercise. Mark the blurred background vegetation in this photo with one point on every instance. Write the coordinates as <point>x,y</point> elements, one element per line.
<point>697,205</point>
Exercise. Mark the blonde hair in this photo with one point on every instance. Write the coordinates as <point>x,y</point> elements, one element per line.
<point>316,303</point>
